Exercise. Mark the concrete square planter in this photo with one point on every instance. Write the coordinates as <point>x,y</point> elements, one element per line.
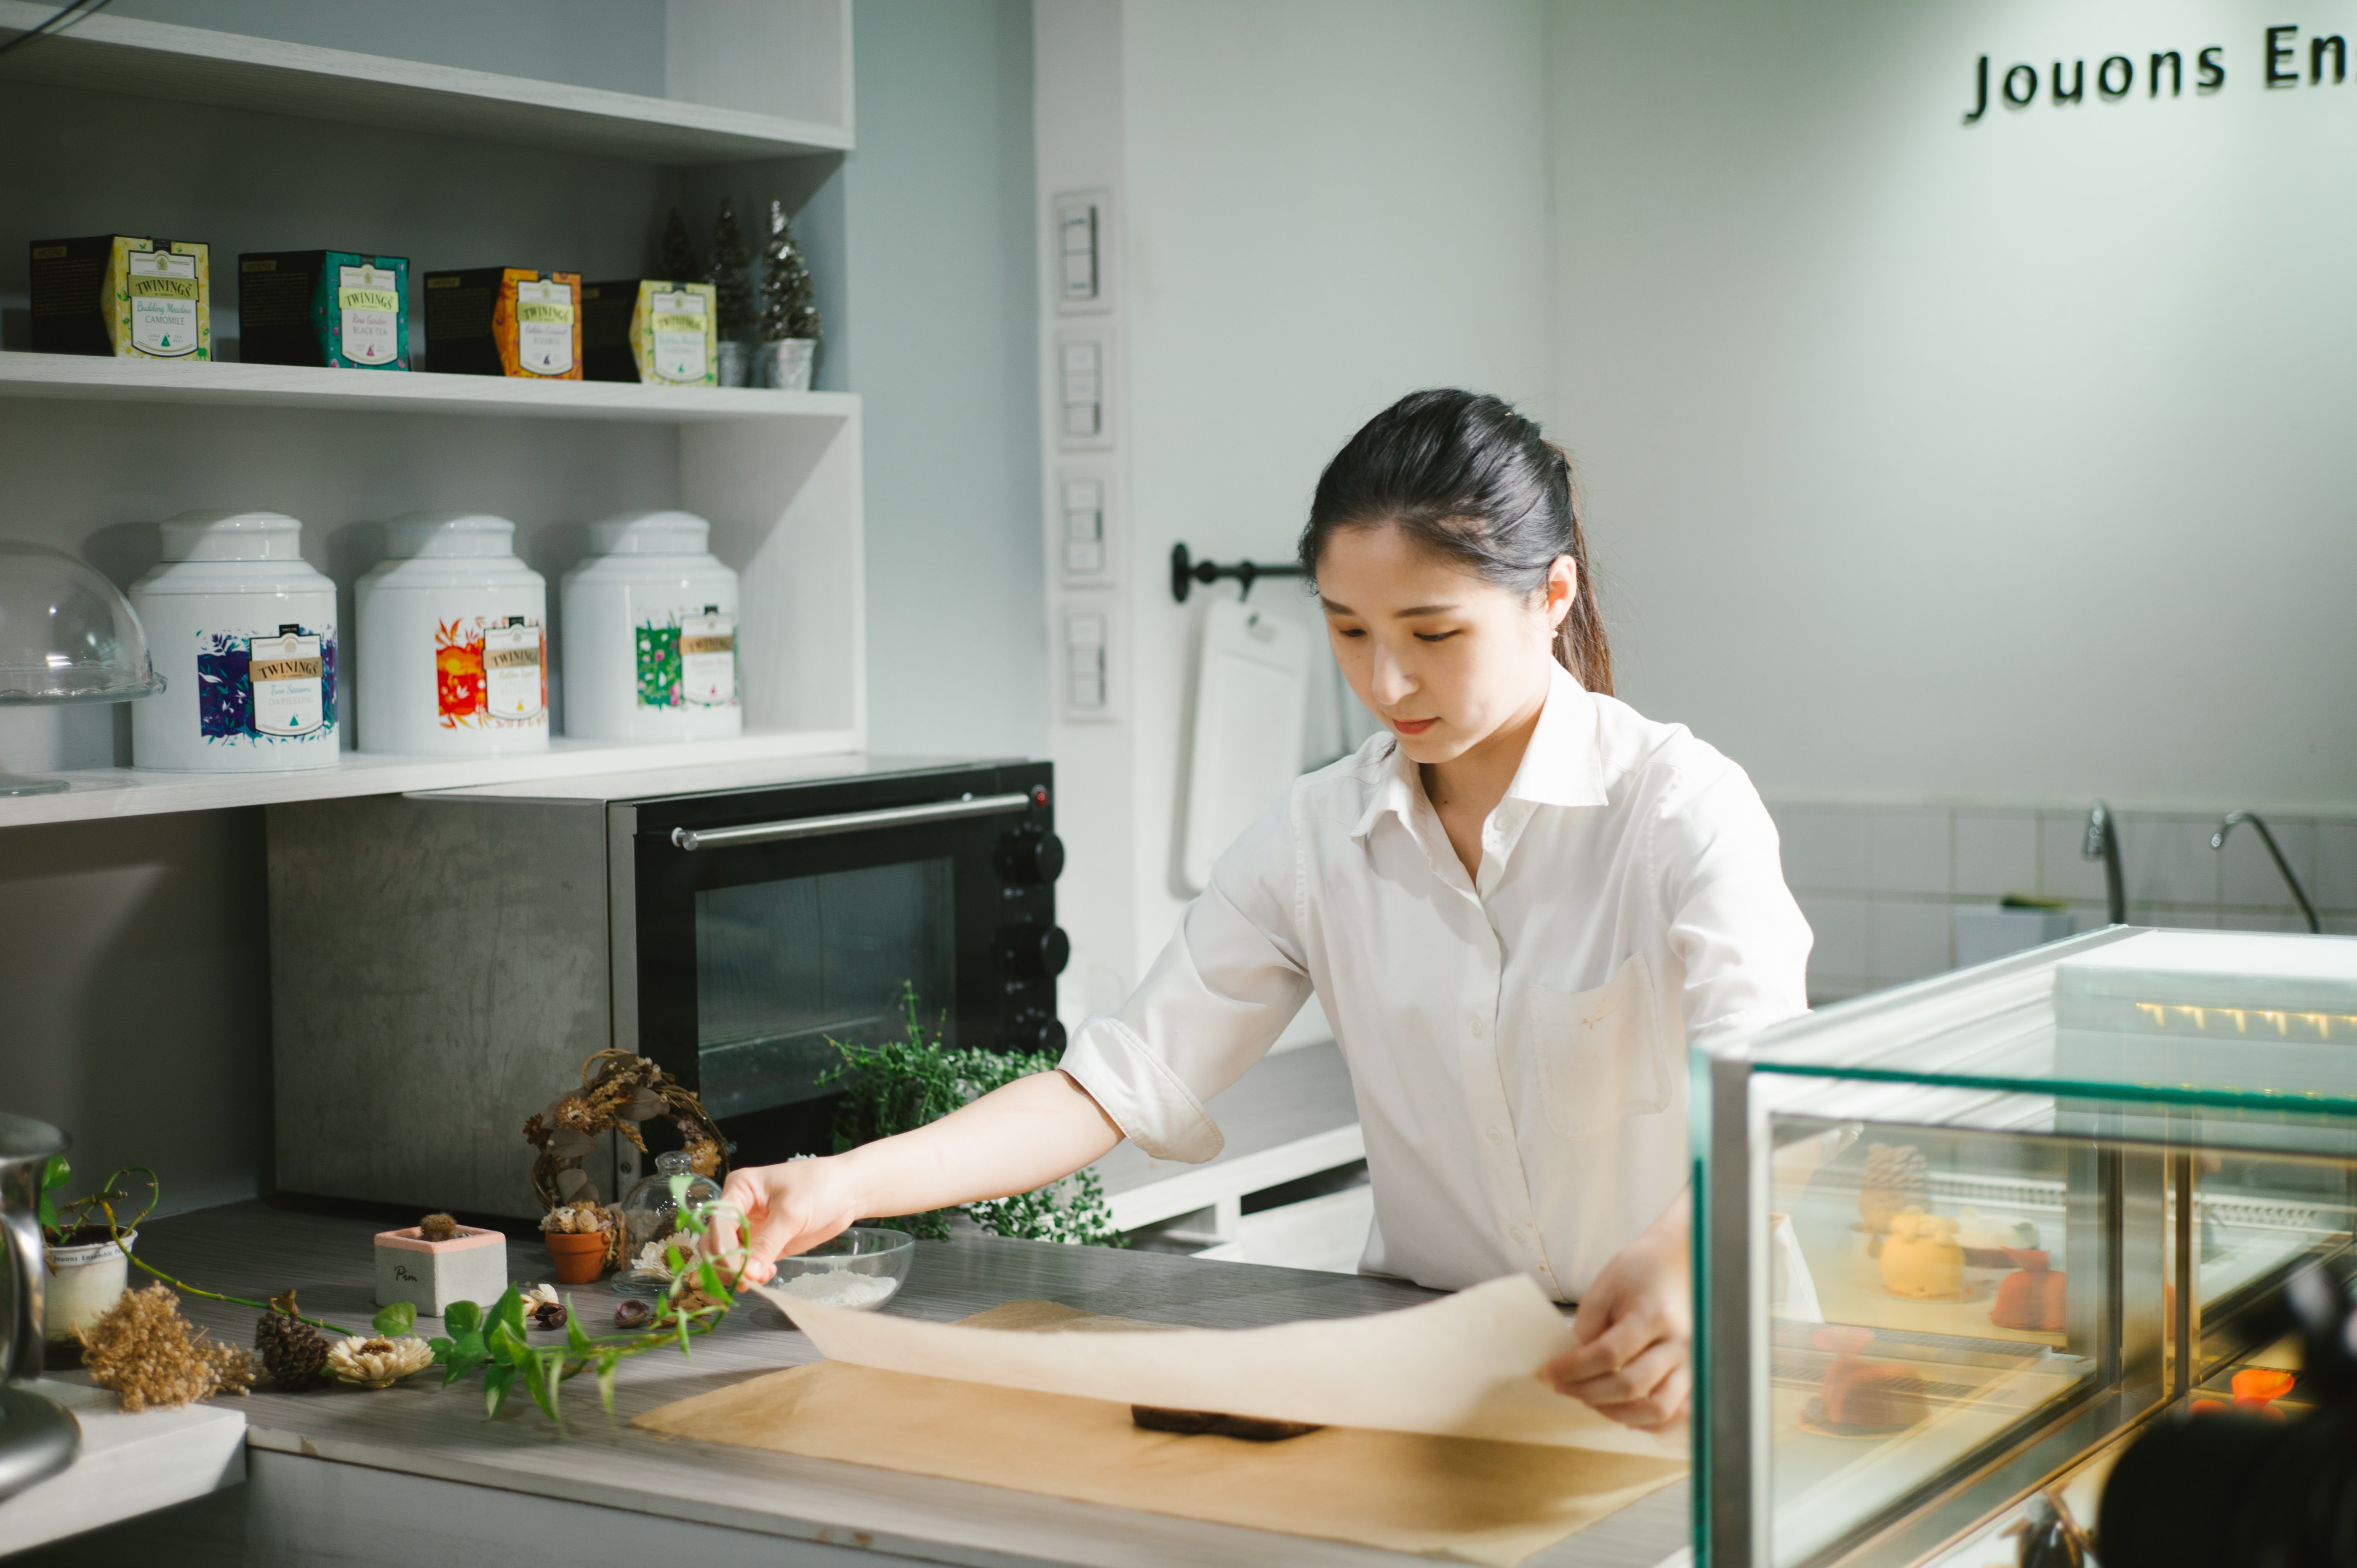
<point>470,1266</point>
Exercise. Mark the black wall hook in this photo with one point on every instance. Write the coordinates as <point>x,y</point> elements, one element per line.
<point>1186,572</point>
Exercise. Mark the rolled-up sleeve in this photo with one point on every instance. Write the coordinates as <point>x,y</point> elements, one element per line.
<point>1229,980</point>
<point>1731,920</point>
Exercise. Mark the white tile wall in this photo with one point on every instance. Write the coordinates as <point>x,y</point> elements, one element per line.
<point>1996,853</point>
<point>1877,884</point>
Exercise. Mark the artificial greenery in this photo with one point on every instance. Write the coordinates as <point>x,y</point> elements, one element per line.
<point>905,1083</point>
<point>492,1340</point>
<point>730,273</point>
<point>61,1221</point>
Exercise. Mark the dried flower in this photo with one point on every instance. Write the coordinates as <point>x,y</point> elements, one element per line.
<point>378,1363</point>
<point>542,1305</point>
<point>632,1313</point>
<point>536,1132</point>
<point>438,1227</point>
<point>145,1350</point>
<point>652,1261</point>
<point>703,1154</point>
<point>572,1112</point>
<point>577,1219</point>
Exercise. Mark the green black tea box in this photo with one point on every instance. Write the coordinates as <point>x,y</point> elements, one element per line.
<point>120,295</point>
<point>338,308</point>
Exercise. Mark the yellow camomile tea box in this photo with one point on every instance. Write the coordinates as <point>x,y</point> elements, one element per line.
<point>121,295</point>
<point>652,330</point>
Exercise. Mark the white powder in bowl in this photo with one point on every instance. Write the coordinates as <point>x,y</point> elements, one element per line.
<point>838,1289</point>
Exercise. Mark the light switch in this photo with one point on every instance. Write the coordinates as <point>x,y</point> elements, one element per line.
<point>1084,400</point>
<point>1085,540</point>
<point>1081,237</point>
<point>1085,664</point>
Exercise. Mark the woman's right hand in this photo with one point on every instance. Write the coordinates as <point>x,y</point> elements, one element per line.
<point>789,1208</point>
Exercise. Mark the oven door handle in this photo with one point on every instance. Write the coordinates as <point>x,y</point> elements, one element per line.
<point>693,839</point>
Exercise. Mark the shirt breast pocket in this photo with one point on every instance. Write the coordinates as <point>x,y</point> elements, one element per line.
<point>1599,1058</point>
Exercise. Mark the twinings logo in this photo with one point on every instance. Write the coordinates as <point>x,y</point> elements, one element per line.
<point>163,288</point>
<point>559,314</point>
<point>511,658</point>
<point>2291,60</point>
<point>310,669</point>
<point>720,642</point>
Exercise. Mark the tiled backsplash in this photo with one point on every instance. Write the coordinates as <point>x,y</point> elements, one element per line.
<point>1877,882</point>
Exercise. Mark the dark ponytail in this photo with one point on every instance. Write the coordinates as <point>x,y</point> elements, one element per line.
<point>1469,479</point>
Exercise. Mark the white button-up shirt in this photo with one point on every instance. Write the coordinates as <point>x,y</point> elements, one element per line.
<point>1517,1039</point>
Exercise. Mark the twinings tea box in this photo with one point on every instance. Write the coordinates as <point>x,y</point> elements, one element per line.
<point>123,296</point>
<point>323,307</point>
<point>648,330</point>
<point>504,321</point>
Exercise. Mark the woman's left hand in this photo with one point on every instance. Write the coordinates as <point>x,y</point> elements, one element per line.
<point>1634,1352</point>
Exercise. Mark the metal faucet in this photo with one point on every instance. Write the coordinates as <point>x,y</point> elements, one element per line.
<point>2218,842</point>
<point>2104,843</point>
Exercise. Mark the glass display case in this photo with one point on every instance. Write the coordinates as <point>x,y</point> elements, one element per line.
<point>1959,1242</point>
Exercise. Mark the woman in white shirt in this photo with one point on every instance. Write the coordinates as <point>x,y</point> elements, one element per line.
<point>1518,906</point>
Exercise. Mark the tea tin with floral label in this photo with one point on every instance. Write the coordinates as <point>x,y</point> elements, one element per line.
<point>243,631</point>
<point>651,633</point>
<point>452,651</point>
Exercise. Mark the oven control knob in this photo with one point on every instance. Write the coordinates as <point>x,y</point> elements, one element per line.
<point>1033,1029</point>
<point>1034,951</point>
<point>1029,858</point>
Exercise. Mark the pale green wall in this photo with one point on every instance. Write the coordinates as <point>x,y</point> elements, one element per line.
<point>942,347</point>
<point>1999,462</point>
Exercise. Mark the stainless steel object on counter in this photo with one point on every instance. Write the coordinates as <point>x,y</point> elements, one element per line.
<point>37,1438</point>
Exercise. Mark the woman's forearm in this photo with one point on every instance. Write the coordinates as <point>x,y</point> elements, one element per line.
<point>1025,1135</point>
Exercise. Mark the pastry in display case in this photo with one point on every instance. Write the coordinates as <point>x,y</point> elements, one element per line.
<point>1964,1243</point>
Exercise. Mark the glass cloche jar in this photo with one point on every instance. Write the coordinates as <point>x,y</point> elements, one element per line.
<point>650,1216</point>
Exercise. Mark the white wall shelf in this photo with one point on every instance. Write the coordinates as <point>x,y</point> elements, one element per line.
<point>99,793</point>
<point>413,391</point>
<point>197,65</point>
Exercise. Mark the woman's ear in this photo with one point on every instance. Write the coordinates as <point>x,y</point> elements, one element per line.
<point>1561,587</point>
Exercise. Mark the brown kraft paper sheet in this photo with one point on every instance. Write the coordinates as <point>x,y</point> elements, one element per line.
<point>1472,1499</point>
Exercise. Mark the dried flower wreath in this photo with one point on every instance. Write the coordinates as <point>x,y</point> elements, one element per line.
<point>618,1092</point>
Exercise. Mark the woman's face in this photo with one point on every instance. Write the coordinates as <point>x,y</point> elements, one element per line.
<point>1445,658</point>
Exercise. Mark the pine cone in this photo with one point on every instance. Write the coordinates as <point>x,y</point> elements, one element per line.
<point>293,1352</point>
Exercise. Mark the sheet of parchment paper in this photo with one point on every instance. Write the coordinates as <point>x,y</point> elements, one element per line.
<point>1464,1365</point>
<point>1464,1499</point>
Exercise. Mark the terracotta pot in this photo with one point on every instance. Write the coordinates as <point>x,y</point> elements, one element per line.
<point>578,1256</point>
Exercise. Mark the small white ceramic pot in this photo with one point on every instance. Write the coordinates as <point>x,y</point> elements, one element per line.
<point>243,632</point>
<point>786,363</point>
<point>649,634</point>
<point>84,1281</point>
<point>452,654</point>
<point>470,1266</point>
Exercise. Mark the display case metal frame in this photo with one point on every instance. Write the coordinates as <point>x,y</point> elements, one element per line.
<point>2129,1209</point>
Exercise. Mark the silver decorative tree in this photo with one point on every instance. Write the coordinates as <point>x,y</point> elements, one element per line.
<point>790,326</point>
<point>730,275</point>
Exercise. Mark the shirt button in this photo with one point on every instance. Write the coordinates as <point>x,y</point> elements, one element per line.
<point>1477,1026</point>
<point>1518,1235</point>
<point>1497,1136</point>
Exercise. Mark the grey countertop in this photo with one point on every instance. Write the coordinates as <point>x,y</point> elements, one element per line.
<point>420,1430</point>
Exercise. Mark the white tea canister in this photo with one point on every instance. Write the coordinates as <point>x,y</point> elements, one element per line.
<point>451,657</point>
<point>651,633</point>
<point>243,632</point>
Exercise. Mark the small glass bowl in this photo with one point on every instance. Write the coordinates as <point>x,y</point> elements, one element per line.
<point>861,1269</point>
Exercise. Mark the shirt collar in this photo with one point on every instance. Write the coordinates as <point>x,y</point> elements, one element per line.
<point>1563,765</point>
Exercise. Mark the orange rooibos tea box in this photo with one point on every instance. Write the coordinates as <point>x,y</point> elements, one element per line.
<point>504,321</point>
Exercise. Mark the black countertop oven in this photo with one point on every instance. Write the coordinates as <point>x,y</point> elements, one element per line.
<point>443,965</point>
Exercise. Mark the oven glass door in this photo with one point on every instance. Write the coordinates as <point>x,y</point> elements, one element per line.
<point>785,968</point>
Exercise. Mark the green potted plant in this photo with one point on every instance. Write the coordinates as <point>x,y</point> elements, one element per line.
<point>86,1243</point>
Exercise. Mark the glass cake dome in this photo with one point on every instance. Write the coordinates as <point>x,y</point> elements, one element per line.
<point>66,635</point>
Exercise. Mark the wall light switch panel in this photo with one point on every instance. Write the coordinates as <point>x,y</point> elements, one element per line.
<point>1085,392</point>
<point>1079,250</point>
<point>1083,541</point>
<point>1087,665</point>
